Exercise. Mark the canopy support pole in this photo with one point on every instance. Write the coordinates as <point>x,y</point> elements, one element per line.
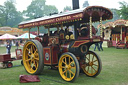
<point>61,26</point>
<point>48,31</point>
<point>57,29</point>
<point>37,30</point>
<point>29,33</point>
<point>101,30</point>
<point>121,34</point>
<point>90,27</point>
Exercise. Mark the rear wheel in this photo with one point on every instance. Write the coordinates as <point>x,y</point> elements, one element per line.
<point>92,65</point>
<point>33,57</point>
<point>68,67</point>
<point>9,65</point>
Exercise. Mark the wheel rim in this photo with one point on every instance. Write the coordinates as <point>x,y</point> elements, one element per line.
<point>67,67</point>
<point>9,65</point>
<point>30,57</point>
<point>91,65</point>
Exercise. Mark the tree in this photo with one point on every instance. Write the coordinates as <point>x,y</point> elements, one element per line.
<point>85,4</point>
<point>67,8</point>
<point>9,16</point>
<point>50,9</point>
<point>115,14</point>
<point>35,9</point>
<point>2,16</point>
<point>123,12</point>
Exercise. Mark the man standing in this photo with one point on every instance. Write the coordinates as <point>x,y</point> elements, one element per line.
<point>97,46</point>
<point>17,44</point>
<point>8,48</point>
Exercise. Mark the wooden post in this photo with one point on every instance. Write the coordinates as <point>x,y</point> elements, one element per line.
<point>90,27</point>
<point>101,30</point>
<point>48,31</point>
<point>61,26</point>
<point>116,39</point>
<point>29,33</point>
<point>121,34</point>
<point>37,31</point>
<point>125,40</point>
<point>57,29</point>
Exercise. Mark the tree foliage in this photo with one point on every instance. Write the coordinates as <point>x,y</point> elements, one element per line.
<point>123,12</point>
<point>37,9</point>
<point>50,9</point>
<point>85,4</point>
<point>67,8</point>
<point>9,16</point>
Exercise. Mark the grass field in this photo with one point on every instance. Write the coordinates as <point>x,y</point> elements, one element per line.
<point>114,71</point>
<point>3,49</point>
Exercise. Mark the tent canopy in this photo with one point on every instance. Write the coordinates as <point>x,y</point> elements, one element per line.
<point>7,36</point>
<point>26,36</point>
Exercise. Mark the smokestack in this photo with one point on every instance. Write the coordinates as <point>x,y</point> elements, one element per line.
<point>75,4</point>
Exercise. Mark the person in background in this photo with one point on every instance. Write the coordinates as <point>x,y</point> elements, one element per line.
<point>17,44</point>
<point>101,45</point>
<point>8,47</point>
<point>101,42</point>
<point>97,46</point>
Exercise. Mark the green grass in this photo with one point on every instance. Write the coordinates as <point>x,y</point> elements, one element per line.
<point>3,49</point>
<point>114,72</point>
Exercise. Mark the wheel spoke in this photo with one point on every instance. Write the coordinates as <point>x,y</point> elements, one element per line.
<point>95,65</point>
<point>31,50</point>
<point>31,62</point>
<point>88,69</point>
<point>62,67</point>
<point>95,60</point>
<point>35,51</point>
<point>31,69</point>
<point>69,60</point>
<point>28,60</point>
<point>92,57</point>
<point>35,64</point>
<point>64,62</point>
<point>27,49</point>
<point>89,57</point>
<point>64,71</point>
<point>36,59</point>
<point>93,68</point>
<point>66,74</point>
<point>73,67</point>
<point>72,73</point>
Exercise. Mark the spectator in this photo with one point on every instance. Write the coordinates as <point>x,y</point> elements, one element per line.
<point>101,42</point>
<point>101,45</point>
<point>17,44</point>
<point>8,47</point>
<point>96,46</point>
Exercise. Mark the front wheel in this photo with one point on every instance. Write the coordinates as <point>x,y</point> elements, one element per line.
<point>68,67</point>
<point>33,57</point>
<point>92,64</point>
